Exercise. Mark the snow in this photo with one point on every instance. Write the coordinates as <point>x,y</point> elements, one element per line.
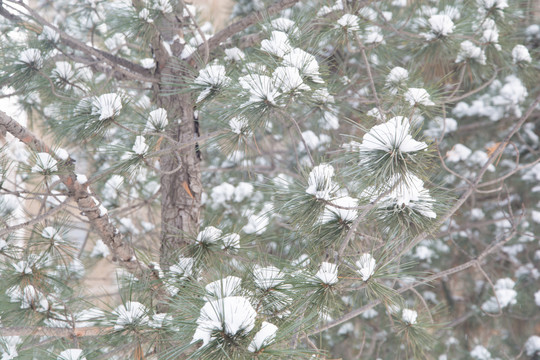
<point>368,13</point>
<point>157,120</point>
<point>490,32</point>
<point>480,353</point>
<point>458,153</point>
<point>110,189</point>
<point>183,268</point>
<point>487,5</point>
<point>9,203</point>
<point>511,95</point>
<point>278,44</point>
<point>260,88</point>
<point>257,223</point>
<point>287,78</point>
<point>221,194</point>
<point>537,298</point>
<point>63,155</point>
<point>285,25</point>
<point>234,54</point>
<point>322,96</point>
<point>231,241</point>
<point>313,141</point>
<point>29,297</point>
<point>9,348</point>
<point>440,25</point>
<point>328,9</point>
<point>71,354</point>
<point>320,182</point>
<point>188,50</point>
<point>349,22</point>
<point>213,77</point>
<point>329,120</point>
<point>267,278</point>
<point>305,62</point>
<point>370,314</point>
<point>532,345</point>
<point>106,106</point>
<point>44,163</point>
<point>332,213</point>
<point>373,35</point>
<point>31,57</point>
<point>51,233</point>
<point>409,316</point>
<point>229,286</point>
<point>239,125</point>
<point>520,54</point>
<point>303,261</point>
<point>403,190</point>
<point>140,147</point>
<point>63,70</point>
<point>424,253</point>
<point>532,32</point>
<point>395,78</point>
<point>100,249</point>
<point>232,315</point>
<point>148,63</point>
<point>469,51</point>
<point>49,34</point>
<point>417,96</point>
<point>144,15</point>
<point>436,127</point>
<point>263,337</point>
<point>391,136</point>
<point>328,273</point>
<point>209,235</point>
<point>116,42</point>
<point>480,158</point>
<point>163,5</point>
<point>159,319</point>
<point>130,313</point>
<point>504,293</point>
<point>243,191</point>
<point>366,266</point>
<point>374,112</point>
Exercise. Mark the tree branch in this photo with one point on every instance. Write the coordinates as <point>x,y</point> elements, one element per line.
<point>54,331</point>
<point>123,66</point>
<point>240,25</point>
<point>83,196</point>
<point>474,262</point>
<point>471,189</point>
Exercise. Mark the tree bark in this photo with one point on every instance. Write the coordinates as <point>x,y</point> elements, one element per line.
<point>180,191</point>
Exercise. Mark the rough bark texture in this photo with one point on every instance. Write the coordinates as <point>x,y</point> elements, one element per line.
<point>181,191</point>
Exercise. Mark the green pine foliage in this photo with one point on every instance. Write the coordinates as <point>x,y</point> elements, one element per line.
<point>332,140</point>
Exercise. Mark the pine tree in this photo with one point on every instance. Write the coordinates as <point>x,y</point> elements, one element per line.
<point>318,179</point>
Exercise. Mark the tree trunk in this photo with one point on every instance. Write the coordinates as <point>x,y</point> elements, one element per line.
<point>180,191</point>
